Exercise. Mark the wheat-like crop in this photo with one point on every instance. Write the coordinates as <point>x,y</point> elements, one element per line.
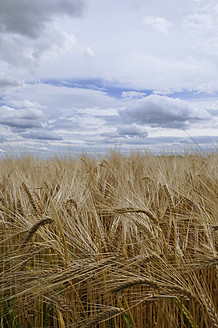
<point>116,241</point>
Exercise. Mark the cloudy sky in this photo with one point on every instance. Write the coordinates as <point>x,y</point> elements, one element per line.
<point>89,75</point>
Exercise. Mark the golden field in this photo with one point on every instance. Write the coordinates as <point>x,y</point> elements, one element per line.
<point>114,241</point>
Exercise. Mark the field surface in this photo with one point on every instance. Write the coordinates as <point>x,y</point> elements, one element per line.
<point>113,241</point>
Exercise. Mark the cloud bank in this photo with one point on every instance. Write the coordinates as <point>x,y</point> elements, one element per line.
<point>162,111</point>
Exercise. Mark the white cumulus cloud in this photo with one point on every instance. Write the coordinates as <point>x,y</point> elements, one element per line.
<point>158,23</point>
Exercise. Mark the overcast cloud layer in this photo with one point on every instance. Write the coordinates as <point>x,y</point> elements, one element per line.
<point>91,74</point>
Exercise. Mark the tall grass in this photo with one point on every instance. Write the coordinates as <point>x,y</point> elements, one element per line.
<point>109,242</point>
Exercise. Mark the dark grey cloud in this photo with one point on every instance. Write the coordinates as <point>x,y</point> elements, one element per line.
<point>21,123</point>
<point>127,132</point>
<point>6,82</point>
<point>162,111</point>
<point>28,17</point>
<point>29,35</point>
<point>20,119</point>
<point>42,135</point>
<point>132,131</point>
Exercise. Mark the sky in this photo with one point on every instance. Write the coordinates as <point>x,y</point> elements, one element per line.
<point>93,75</point>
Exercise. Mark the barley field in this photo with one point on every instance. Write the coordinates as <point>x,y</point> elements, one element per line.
<point>112,241</point>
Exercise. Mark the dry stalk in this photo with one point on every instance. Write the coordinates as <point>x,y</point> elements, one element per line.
<point>103,316</point>
<point>205,263</point>
<point>34,228</point>
<point>132,210</point>
<point>176,290</point>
